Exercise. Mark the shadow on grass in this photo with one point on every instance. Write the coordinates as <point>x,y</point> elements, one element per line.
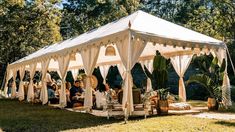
<point>22,116</point>
<point>226,123</point>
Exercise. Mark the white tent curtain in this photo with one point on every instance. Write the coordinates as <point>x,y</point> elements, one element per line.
<point>63,62</point>
<point>75,73</point>
<point>30,95</point>
<point>121,70</point>
<point>180,64</point>
<point>43,93</point>
<point>89,59</point>
<point>104,71</point>
<point>149,65</point>
<point>226,92</point>
<point>149,82</point>
<point>8,76</point>
<point>21,85</point>
<point>13,89</point>
<point>129,52</point>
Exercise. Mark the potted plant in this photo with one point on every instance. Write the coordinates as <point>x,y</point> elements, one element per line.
<point>211,79</point>
<point>162,105</point>
<point>160,75</point>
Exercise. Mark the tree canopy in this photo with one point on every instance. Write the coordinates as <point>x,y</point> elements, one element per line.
<point>26,26</point>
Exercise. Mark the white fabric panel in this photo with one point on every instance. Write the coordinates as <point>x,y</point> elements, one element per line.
<point>180,64</point>
<point>121,70</point>
<point>149,82</point>
<point>21,85</point>
<point>100,99</point>
<point>129,54</point>
<point>226,92</point>
<point>30,95</point>
<point>157,26</point>
<point>104,71</point>
<point>107,60</point>
<point>75,73</point>
<point>220,54</point>
<point>13,89</point>
<point>9,74</point>
<point>44,94</point>
<point>89,58</point>
<point>142,23</point>
<point>63,67</point>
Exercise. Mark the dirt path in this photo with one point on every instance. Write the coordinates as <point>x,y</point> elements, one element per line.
<point>213,115</point>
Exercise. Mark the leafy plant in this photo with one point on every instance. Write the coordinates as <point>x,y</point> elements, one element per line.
<point>163,93</point>
<point>210,78</point>
<point>160,73</point>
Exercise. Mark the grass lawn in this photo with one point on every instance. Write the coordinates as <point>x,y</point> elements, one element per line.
<point>16,116</point>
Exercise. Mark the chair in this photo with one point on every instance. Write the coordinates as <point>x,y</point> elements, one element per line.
<point>137,101</point>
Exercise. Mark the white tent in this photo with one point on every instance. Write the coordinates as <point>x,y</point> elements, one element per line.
<point>135,39</point>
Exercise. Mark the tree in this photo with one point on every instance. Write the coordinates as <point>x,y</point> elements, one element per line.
<point>215,18</point>
<point>80,16</point>
<point>26,26</point>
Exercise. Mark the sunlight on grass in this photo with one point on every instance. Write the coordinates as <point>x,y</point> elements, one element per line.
<point>167,123</point>
<point>22,116</point>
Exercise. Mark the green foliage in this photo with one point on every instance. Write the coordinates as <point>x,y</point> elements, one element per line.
<point>84,15</point>
<point>215,18</point>
<point>210,78</point>
<point>26,26</point>
<point>160,73</point>
<point>163,93</point>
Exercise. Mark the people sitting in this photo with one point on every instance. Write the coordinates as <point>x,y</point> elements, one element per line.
<point>67,91</point>
<point>51,95</point>
<point>76,94</point>
<point>110,93</point>
<point>36,92</point>
<point>100,97</point>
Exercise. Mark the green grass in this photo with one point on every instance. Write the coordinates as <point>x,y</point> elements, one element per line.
<point>21,116</point>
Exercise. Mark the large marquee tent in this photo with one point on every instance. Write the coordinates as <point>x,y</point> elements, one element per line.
<point>135,38</point>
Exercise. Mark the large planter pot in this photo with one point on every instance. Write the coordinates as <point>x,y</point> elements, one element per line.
<point>212,104</point>
<point>162,107</point>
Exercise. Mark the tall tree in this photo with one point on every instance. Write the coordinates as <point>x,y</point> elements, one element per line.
<point>26,26</point>
<point>80,16</point>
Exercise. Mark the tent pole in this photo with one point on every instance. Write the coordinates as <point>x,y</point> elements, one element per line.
<point>229,56</point>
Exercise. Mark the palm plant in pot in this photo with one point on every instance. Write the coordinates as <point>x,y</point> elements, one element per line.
<point>162,106</point>
<point>160,74</point>
<point>211,79</point>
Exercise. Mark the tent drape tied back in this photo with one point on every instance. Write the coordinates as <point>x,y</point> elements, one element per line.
<point>149,82</point>
<point>21,85</point>
<point>226,92</point>
<point>104,72</point>
<point>180,64</point>
<point>129,51</point>
<point>44,93</point>
<point>13,89</point>
<point>30,95</point>
<point>8,76</point>
<point>89,59</point>
<point>63,62</point>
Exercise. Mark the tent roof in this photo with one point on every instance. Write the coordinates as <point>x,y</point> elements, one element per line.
<point>141,24</point>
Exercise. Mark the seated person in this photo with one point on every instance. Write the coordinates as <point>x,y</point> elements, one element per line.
<point>76,93</point>
<point>36,91</point>
<point>51,95</point>
<point>110,93</point>
<point>100,97</point>
<point>68,86</point>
